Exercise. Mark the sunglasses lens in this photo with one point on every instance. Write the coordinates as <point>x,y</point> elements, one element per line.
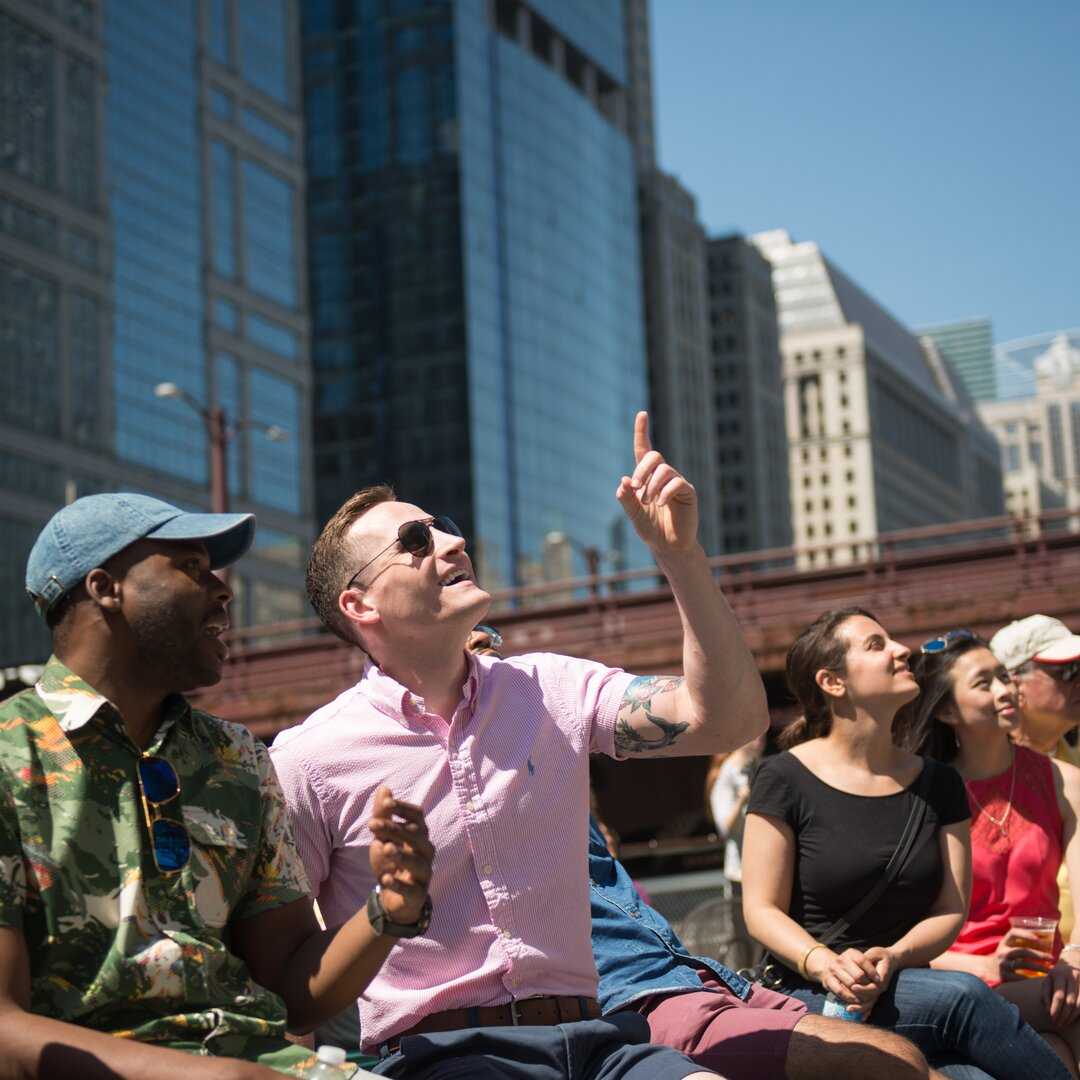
<point>415,537</point>
<point>172,845</point>
<point>934,645</point>
<point>444,524</point>
<point>159,780</point>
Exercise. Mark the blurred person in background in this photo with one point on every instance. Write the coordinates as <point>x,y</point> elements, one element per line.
<point>1024,809</point>
<point>727,791</point>
<point>857,861</point>
<point>1043,657</point>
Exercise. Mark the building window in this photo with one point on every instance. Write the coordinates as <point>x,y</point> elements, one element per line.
<point>85,360</point>
<point>1012,457</point>
<point>225,314</point>
<point>273,336</point>
<point>853,527</point>
<point>27,103</point>
<point>222,162</point>
<point>263,46</point>
<point>1057,440</point>
<point>843,401</point>
<point>220,43</point>
<point>267,132</point>
<point>269,216</point>
<point>851,501</point>
<point>81,133</point>
<point>30,371</point>
<point>846,427</point>
<point>849,476</point>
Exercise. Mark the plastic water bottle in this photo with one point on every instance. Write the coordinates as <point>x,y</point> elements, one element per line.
<point>329,1065</point>
<point>837,1010</point>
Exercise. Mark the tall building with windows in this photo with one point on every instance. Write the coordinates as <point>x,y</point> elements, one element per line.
<point>968,347</point>
<point>748,398</point>
<point>473,257</point>
<point>151,231</point>
<point>881,438</point>
<point>673,294</point>
<point>1039,434</point>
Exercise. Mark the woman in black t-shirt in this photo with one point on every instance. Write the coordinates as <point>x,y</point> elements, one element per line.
<point>822,823</point>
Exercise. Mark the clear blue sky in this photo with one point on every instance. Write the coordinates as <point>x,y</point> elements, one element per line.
<point>932,149</point>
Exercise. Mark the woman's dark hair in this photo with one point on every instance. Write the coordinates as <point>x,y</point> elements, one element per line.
<point>818,646</point>
<point>917,727</point>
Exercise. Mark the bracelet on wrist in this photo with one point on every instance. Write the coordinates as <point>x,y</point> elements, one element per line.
<point>806,956</point>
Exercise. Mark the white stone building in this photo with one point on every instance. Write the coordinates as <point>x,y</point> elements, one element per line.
<point>881,435</point>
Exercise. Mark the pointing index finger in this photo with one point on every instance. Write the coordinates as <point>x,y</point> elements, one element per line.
<point>642,442</point>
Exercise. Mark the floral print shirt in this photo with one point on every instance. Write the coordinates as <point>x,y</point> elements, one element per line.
<point>114,943</point>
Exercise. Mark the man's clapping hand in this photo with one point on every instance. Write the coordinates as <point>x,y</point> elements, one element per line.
<point>401,856</point>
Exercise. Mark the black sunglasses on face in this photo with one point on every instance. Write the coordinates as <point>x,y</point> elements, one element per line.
<point>951,637</point>
<point>415,538</point>
<point>158,785</point>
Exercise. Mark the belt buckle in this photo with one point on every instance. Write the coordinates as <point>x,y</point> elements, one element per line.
<point>515,1015</point>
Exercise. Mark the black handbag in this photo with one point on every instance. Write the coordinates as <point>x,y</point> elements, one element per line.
<point>770,971</point>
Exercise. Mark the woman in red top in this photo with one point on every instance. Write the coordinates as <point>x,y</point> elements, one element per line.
<point>1024,810</point>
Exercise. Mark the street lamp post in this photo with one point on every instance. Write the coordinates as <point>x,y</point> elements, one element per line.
<point>219,432</point>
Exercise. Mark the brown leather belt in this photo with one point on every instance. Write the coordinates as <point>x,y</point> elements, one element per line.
<point>538,1011</point>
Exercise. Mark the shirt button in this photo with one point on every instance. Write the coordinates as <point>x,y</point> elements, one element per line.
<point>470,806</point>
<point>504,933</point>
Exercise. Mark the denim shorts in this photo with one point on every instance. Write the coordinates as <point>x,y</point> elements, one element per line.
<point>613,1048</point>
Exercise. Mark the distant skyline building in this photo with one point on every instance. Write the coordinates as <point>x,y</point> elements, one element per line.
<point>475,272</point>
<point>968,346</point>
<point>880,436</point>
<point>1040,435</point>
<point>151,230</point>
<point>748,398</point>
<point>1014,363</point>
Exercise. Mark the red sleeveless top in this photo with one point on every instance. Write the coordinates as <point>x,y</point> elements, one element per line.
<point>1015,867</point>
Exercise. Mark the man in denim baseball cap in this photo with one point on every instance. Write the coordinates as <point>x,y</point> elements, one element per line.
<point>149,885</point>
<point>89,531</point>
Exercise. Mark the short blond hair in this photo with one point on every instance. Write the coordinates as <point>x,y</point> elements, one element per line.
<point>330,564</point>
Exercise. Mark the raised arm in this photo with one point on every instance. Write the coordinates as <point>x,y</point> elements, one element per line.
<point>719,702</point>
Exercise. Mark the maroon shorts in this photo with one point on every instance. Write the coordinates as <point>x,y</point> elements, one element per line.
<point>741,1040</point>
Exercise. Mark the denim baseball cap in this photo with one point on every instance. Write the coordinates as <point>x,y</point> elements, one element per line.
<point>92,529</point>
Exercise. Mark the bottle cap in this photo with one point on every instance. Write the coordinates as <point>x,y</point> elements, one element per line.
<point>331,1055</point>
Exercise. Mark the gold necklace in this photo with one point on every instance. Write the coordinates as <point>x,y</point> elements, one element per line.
<point>1008,802</point>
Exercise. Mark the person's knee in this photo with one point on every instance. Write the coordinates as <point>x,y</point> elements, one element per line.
<point>839,1049</point>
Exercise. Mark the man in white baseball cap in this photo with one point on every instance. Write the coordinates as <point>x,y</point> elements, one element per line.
<point>1043,655</point>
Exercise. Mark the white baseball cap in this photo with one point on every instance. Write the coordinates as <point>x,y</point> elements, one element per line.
<point>1038,637</point>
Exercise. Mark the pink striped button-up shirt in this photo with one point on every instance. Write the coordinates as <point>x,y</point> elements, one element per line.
<point>504,787</point>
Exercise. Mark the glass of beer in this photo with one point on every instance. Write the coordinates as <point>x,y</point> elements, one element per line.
<point>1038,935</point>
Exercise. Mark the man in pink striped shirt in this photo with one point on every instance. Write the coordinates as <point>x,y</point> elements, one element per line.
<point>502,982</point>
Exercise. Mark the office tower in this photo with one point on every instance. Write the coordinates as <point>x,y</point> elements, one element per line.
<point>151,231</point>
<point>674,295</point>
<point>748,398</point>
<point>968,346</point>
<point>881,438</point>
<point>1039,434</point>
<point>474,268</point>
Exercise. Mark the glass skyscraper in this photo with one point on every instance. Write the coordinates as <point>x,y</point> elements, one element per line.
<point>969,347</point>
<point>151,230</point>
<point>475,280</point>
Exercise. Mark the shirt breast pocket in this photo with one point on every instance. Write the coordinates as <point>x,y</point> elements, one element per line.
<point>219,864</point>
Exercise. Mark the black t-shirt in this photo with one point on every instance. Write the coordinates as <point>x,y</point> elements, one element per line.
<point>844,842</point>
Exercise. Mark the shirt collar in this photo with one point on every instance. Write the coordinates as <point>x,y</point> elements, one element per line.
<point>395,700</point>
<point>74,702</point>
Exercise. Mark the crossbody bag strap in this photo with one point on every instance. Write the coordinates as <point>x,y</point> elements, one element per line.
<point>908,839</point>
